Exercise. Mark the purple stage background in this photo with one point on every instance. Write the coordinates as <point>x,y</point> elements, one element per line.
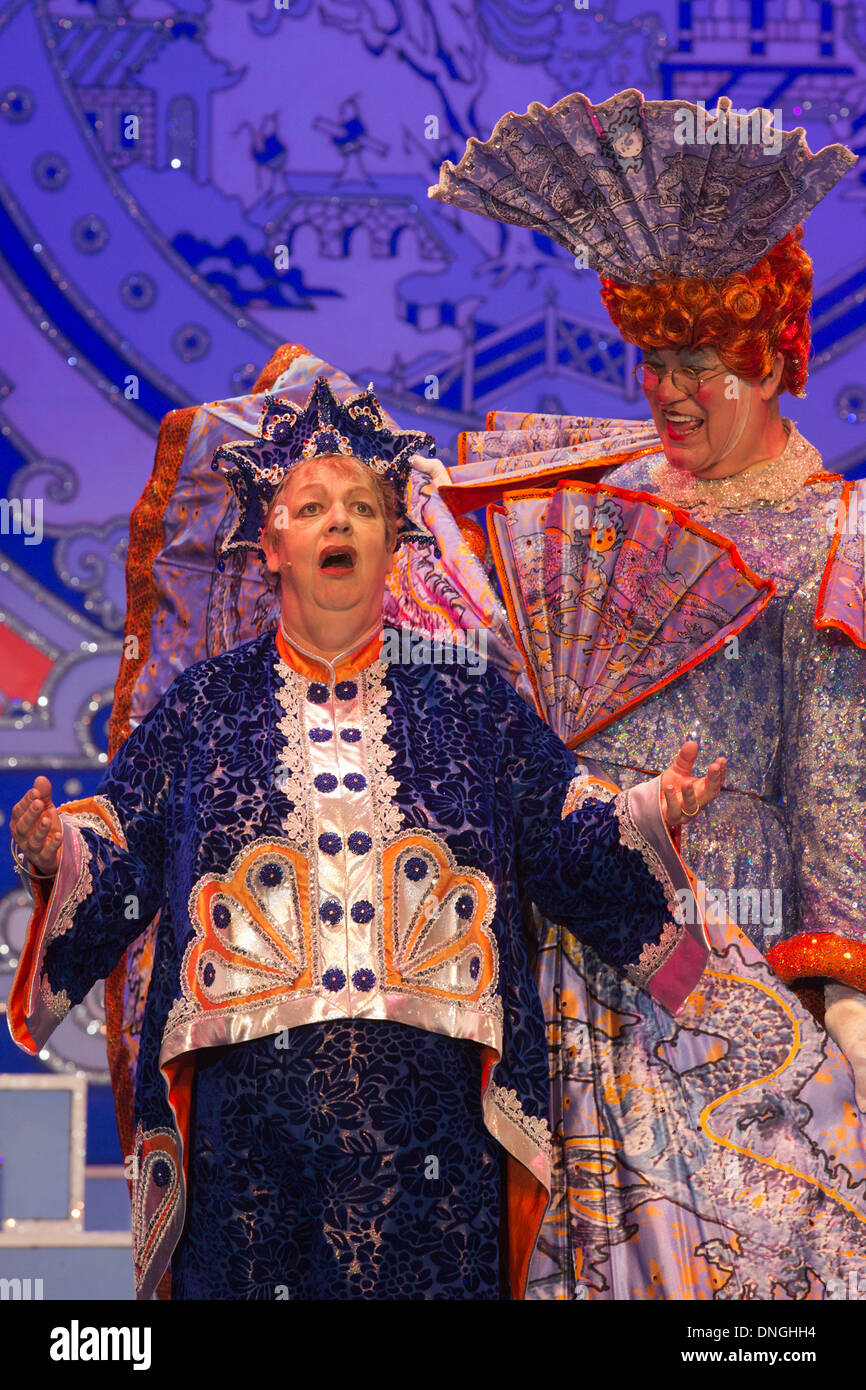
<point>155,160</point>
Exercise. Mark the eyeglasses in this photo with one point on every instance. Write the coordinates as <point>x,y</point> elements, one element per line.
<point>684,379</point>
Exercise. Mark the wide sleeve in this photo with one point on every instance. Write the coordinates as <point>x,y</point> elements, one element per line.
<point>109,883</point>
<point>607,870</point>
<point>823,769</point>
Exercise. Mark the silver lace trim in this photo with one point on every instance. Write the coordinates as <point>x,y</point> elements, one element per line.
<point>81,889</point>
<point>379,755</point>
<point>582,788</point>
<point>88,820</point>
<point>57,1004</point>
<point>775,481</point>
<point>292,776</point>
<point>654,954</point>
<point>535,1128</point>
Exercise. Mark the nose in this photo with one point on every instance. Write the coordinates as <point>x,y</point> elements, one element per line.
<point>666,393</point>
<point>338,518</point>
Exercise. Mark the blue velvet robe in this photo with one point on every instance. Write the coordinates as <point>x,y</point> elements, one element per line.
<point>324,843</point>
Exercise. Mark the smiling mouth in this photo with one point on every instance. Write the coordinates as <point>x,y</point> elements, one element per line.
<point>681,426</point>
<point>338,560</point>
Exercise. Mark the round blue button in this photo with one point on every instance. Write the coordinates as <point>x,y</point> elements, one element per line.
<point>331,912</point>
<point>362,911</point>
<point>325,782</point>
<point>363,980</point>
<point>415,868</point>
<point>161,1173</point>
<point>359,842</point>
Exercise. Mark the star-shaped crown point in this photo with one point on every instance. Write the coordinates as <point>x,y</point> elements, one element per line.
<point>289,434</point>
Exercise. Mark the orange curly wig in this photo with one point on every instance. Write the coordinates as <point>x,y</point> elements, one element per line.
<point>748,317</point>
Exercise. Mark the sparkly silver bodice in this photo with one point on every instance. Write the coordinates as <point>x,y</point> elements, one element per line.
<point>785,703</point>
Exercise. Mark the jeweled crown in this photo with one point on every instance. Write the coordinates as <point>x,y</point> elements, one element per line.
<point>288,434</point>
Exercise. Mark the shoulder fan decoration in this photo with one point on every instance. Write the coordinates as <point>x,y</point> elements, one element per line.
<point>613,594</point>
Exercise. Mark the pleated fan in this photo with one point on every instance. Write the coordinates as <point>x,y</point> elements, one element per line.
<point>612,595</point>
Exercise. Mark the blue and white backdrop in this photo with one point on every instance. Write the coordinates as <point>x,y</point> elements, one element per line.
<point>153,156</point>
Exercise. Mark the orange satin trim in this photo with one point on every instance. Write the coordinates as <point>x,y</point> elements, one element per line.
<point>145,541</point>
<point>313,669</point>
<point>825,578</point>
<point>179,1073</point>
<point>526,1203</point>
<point>462,498</point>
<point>16,1000</point>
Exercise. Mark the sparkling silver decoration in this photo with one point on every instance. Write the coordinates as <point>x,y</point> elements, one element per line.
<point>91,560</point>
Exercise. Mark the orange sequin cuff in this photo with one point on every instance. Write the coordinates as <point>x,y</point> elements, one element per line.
<point>811,957</point>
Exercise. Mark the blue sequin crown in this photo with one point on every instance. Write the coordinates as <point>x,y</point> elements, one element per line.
<point>289,433</point>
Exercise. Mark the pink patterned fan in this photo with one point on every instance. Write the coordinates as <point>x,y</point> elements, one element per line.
<point>613,594</point>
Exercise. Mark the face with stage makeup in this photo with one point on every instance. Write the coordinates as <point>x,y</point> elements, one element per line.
<point>330,536</point>
<point>715,423</point>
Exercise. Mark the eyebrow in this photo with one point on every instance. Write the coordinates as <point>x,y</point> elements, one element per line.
<point>654,354</point>
<point>354,490</point>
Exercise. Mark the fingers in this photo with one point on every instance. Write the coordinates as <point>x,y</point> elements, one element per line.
<point>686,795</point>
<point>36,827</point>
<point>707,788</point>
<point>434,469</point>
<point>685,760</point>
<point>673,810</point>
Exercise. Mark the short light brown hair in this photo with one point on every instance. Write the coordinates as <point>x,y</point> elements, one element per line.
<point>385,491</point>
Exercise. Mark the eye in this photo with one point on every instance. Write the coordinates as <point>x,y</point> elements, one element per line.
<point>365,507</point>
<point>306,507</point>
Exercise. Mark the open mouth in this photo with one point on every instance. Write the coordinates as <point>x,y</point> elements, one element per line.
<point>338,560</point>
<point>681,426</point>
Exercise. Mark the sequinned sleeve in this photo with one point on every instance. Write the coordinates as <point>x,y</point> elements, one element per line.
<point>109,883</point>
<point>608,871</point>
<point>824,795</point>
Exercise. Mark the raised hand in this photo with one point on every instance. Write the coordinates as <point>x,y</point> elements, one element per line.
<point>684,795</point>
<point>435,470</point>
<point>36,827</point>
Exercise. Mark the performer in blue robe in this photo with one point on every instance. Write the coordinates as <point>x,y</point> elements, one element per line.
<point>343,1051</point>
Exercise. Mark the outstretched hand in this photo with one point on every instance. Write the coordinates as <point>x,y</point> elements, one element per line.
<point>36,827</point>
<point>435,470</point>
<point>684,795</point>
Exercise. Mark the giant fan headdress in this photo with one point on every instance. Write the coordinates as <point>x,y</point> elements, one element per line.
<point>646,189</point>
